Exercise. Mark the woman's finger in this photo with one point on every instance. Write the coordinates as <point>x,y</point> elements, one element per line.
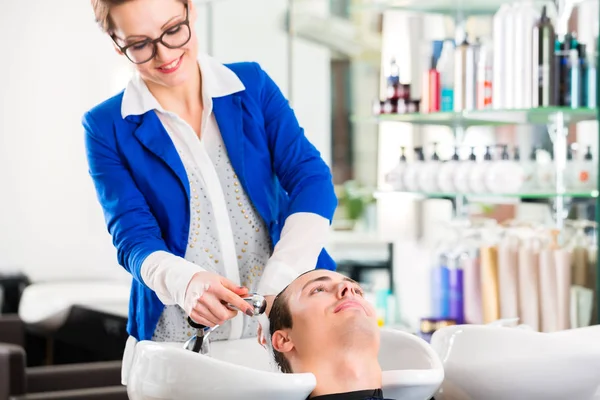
<point>204,311</point>
<point>196,317</point>
<point>227,296</point>
<point>217,309</point>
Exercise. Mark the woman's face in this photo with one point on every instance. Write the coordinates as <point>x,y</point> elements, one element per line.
<point>139,21</point>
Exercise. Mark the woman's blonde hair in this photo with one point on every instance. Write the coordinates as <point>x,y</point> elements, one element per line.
<point>102,12</point>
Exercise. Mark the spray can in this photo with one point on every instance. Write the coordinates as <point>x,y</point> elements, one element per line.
<point>484,78</point>
<point>544,72</point>
<point>460,76</point>
<point>472,60</point>
<point>500,48</point>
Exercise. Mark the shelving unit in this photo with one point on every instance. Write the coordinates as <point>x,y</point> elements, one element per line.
<point>557,119</point>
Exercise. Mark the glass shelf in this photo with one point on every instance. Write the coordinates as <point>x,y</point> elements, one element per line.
<point>462,8</point>
<point>487,117</point>
<point>489,197</point>
<point>446,7</point>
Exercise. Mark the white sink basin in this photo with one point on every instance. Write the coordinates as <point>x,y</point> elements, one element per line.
<point>504,363</point>
<point>242,369</point>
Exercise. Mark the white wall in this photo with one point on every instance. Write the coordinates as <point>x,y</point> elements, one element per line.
<point>56,65</point>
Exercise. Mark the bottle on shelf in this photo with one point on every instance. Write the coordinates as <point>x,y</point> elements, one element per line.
<point>545,171</point>
<point>484,78</point>
<point>395,178</point>
<point>591,81</point>
<point>433,76</point>
<point>501,47</point>
<point>471,67</point>
<point>529,166</point>
<point>427,175</point>
<point>445,178</point>
<point>463,171</point>
<point>477,175</point>
<point>575,95</point>
<point>505,175</point>
<point>525,19</point>
<point>584,177</point>
<point>460,76</point>
<point>544,75</point>
<point>446,69</point>
<point>411,172</point>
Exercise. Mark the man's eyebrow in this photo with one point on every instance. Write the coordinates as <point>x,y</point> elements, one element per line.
<point>161,28</point>
<point>326,278</point>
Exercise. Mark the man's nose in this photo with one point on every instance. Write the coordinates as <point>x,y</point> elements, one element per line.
<point>346,289</point>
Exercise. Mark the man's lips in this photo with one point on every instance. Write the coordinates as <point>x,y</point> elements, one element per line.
<point>348,304</point>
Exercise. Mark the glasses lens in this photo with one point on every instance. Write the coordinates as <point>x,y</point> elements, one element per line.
<point>176,36</point>
<point>140,52</point>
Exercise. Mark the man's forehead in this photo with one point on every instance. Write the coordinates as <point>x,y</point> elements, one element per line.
<point>317,275</point>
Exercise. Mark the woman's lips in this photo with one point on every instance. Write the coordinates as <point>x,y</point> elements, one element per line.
<point>171,66</point>
<point>348,304</point>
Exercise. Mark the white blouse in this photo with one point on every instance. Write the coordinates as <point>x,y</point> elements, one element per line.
<point>227,236</point>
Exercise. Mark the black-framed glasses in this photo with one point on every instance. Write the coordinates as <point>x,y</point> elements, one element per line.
<point>142,51</point>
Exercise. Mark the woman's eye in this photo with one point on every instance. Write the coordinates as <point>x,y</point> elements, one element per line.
<point>139,46</point>
<point>174,30</point>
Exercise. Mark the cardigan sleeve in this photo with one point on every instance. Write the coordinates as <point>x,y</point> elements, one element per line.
<point>134,229</point>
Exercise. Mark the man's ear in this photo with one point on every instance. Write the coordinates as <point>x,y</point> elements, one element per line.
<point>282,342</point>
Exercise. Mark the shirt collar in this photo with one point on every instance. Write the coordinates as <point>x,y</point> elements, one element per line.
<point>217,81</point>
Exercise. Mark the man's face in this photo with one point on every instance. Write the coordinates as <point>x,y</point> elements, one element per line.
<point>327,308</point>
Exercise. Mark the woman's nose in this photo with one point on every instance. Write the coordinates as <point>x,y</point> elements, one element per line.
<point>164,54</point>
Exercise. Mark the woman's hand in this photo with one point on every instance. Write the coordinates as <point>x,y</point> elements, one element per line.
<point>262,340</point>
<point>207,296</point>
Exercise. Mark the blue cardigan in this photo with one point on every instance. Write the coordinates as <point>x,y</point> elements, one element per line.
<point>144,191</point>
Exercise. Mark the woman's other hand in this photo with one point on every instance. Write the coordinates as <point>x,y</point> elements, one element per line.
<point>206,298</point>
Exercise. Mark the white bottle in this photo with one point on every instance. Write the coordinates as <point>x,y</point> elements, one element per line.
<point>546,173</point>
<point>411,172</point>
<point>571,171</point>
<point>585,172</point>
<point>427,176</point>
<point>445,177</point>
<point>477,175</point>
<point>500,48</point>
<point>510,69</point>
<point>461,174</point>
<point>505,175</point>
<point>395,178</point>
<point>530,183</point>
<point>525,18</point>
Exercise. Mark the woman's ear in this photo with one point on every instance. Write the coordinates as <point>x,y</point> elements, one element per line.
<point>282,342</point>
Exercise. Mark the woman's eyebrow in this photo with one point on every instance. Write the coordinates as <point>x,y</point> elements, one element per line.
<point>162,27</point>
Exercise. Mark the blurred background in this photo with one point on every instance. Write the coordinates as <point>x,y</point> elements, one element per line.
<point>491,213</point>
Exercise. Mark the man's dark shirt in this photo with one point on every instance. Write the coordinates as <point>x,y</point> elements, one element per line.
<point>376,394</point>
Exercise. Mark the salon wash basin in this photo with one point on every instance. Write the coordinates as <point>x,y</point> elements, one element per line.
<point>241,369</point>
<point>502,362</point>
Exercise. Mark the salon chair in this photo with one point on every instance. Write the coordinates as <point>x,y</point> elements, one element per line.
<point>98,380</point>
<point>12,285</point>
<point>75,321</point>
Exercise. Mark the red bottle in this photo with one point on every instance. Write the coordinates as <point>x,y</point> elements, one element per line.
<point>434,88</point>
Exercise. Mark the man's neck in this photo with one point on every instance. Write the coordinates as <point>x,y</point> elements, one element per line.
<point>184,99</point>
<point>345,371</point>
